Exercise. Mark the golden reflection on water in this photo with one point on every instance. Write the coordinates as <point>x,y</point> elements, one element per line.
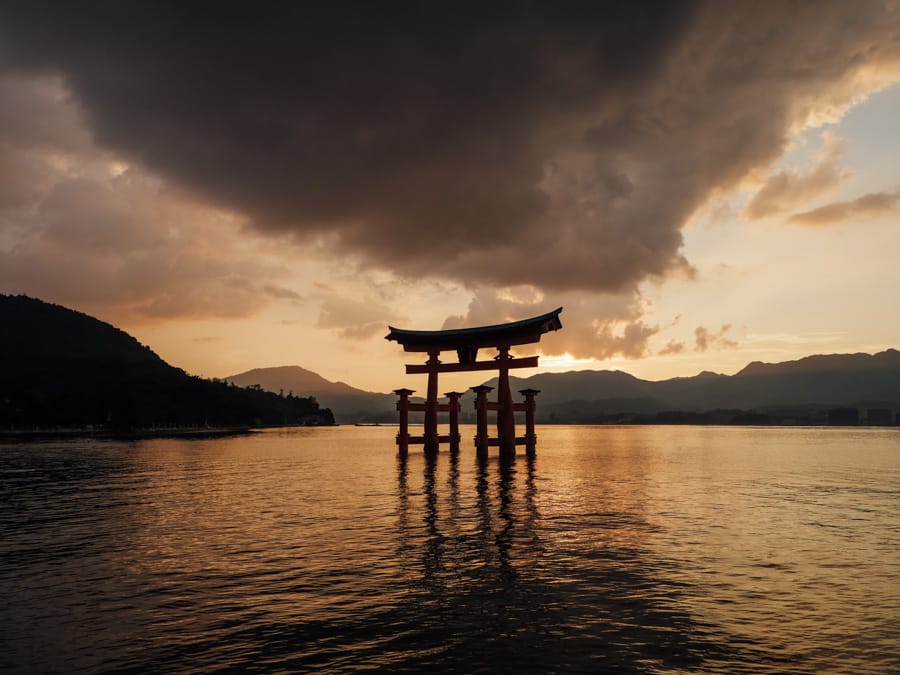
<point>616,548</point>
<point>778,535</point>
<point>792,550</point>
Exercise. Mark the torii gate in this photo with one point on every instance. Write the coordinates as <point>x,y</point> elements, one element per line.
<point>466,342</point>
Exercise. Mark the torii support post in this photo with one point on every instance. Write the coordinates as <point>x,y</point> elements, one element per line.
<point>530,436</point>
<point>403,432</point>
<point>454,419</point>
<point>481,423</point>
<point>506,421</point>
<point>431,426</point>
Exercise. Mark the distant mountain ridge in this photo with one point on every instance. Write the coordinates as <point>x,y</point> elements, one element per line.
<point>814,382</point>
<point>348,404</point>
<point>294,377</point>
<point>890,358</point>
<point>818,381</point>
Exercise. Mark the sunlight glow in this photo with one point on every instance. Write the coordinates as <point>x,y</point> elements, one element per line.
<point>561,362</point>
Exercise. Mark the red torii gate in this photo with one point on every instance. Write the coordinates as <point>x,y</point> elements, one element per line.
<point>466,342</point>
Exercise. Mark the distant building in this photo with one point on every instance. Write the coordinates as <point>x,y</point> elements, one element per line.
<point>843,417</point>
<point>879,417</point>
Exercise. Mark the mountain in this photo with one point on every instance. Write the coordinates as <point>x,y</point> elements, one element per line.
<point>848,363</point>
<point>836,379</point>
<point>809,385</point>
<point>801,391</point>
<point>62,368</point>
<point>347,403</point>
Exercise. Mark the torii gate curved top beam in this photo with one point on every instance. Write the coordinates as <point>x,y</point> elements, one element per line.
<point>466,341</point>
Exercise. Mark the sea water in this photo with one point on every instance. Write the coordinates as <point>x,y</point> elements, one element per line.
<point>616,549</point>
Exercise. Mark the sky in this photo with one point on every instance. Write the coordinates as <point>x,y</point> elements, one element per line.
<point>698,184</point>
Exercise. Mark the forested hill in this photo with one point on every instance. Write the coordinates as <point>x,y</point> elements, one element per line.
<point>62,368</point>
<point>48,333</point>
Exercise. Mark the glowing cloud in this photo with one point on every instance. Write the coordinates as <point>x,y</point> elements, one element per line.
<point>866,206</point>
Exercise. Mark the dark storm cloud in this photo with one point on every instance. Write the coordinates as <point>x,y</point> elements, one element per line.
<point>79,228</point>
<point>558,144</point>
<point>121,246</point>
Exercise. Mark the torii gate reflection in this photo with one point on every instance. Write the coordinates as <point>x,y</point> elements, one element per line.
<point>466,342</point>
<point>500,523</point>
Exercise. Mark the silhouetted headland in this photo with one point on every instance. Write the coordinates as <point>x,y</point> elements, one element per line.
<point>65,373</point>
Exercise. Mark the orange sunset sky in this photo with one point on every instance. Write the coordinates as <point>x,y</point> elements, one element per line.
<point>699,185</point>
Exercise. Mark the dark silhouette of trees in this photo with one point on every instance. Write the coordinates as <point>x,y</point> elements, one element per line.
<point>60,368</point>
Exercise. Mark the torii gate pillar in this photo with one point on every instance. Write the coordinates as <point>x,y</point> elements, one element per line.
<point>530,436</point>
<point>506,423</point>
<point>481,422</point>
<point>431,427</point>
<point>403,431</point>
<point>453,406</point>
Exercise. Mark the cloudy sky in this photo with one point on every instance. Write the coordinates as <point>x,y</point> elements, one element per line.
<point>699,185</point>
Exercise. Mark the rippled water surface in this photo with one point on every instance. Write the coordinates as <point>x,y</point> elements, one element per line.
<point>628,549</point>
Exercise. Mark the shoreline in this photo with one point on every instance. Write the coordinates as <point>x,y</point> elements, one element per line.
<point>104,434</point>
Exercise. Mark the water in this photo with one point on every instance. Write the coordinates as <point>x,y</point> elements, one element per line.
<point>626,549</point>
